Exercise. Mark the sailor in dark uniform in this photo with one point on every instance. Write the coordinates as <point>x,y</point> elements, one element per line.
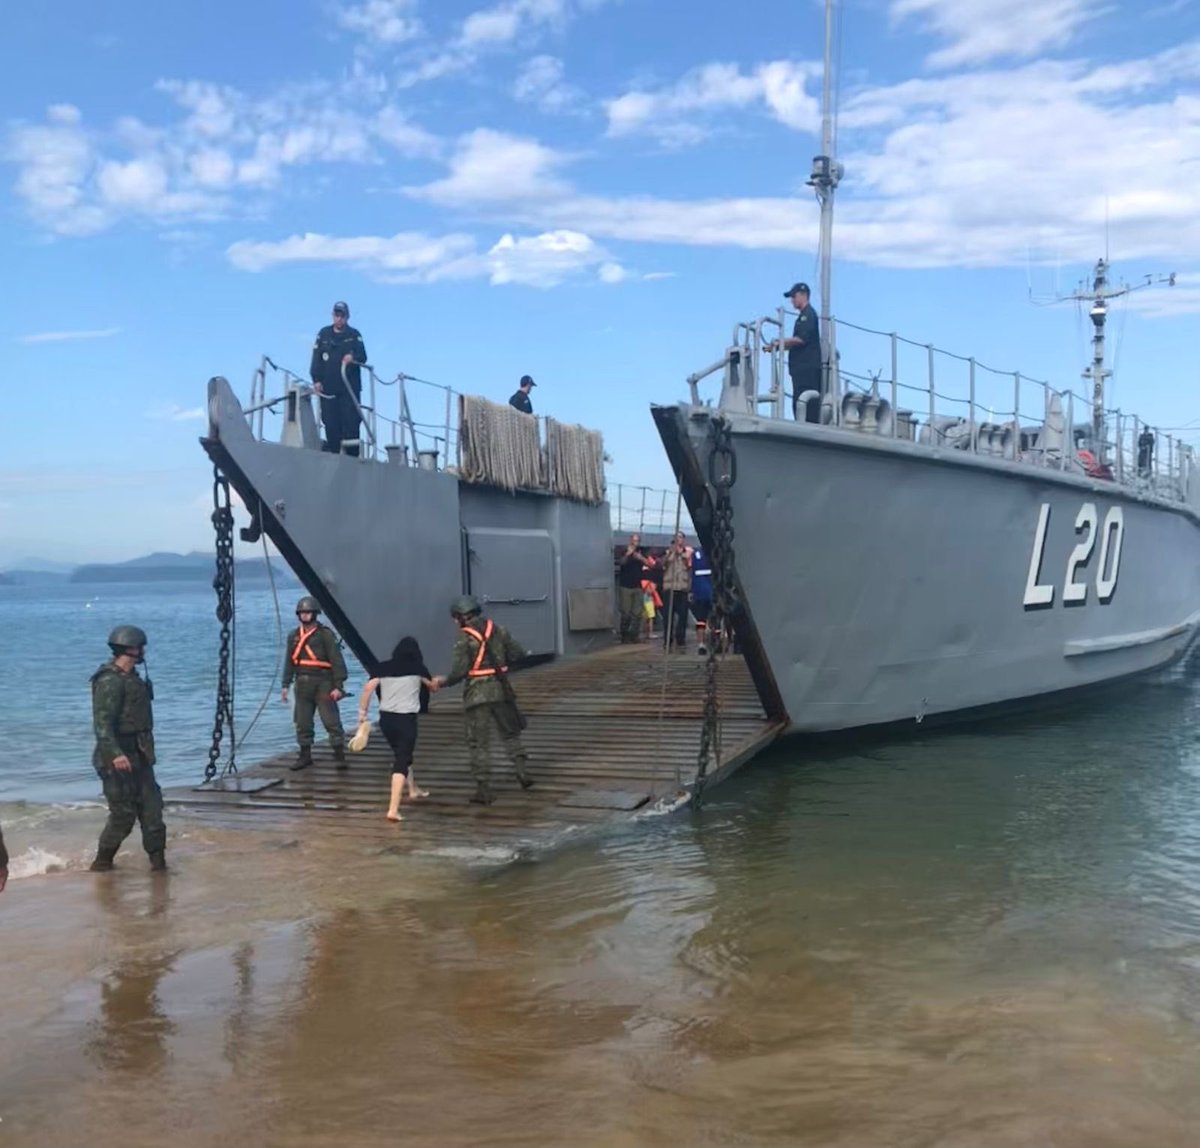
<point>520,398</point>
<point>339,345</point>
<point>804,354</point>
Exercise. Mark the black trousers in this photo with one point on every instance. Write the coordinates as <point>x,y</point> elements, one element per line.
<point>341,419</point>
<point>400,730</point>
<point>807,379</point>
<point>675,616</point>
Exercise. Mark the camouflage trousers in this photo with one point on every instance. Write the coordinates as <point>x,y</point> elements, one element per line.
<point>133,796</point>
<point>632,614</point>
<point>479,720</point>
<point>312,695</point>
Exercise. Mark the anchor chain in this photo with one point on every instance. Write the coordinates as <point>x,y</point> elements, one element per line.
<point>722,474</point>
<point>222,520</point>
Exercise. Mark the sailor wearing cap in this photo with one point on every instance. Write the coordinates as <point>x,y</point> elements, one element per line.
<point>339,345</point>
<point>804,355</point>
<point>520,398</point>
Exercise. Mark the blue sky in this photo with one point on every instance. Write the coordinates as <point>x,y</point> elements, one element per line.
<point>590,191</point>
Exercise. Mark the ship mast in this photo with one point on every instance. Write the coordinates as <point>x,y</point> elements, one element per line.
<point>1099,296</point>
<point>826,175</point>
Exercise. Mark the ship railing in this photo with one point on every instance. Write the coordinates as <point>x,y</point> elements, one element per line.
<point>647,510</point>
<point>424,430</point>
<point>924,394</point>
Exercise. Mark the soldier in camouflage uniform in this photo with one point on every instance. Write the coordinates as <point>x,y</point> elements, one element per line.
<point>482,655</point>
<point>314,662</point>
<point>124,757</point>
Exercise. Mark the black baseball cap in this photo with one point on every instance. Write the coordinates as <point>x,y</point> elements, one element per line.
<point>796,287</point>
<point>340,308</point>
<point>526,381</point>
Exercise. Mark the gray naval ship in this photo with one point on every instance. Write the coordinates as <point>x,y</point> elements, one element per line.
<point>946,538</point>
<point>388,530</point>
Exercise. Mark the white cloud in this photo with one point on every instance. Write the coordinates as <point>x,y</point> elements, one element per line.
<point>177,414</point>
<point>490,166</point>
<point>976,169</point>
<point>503,23</point>
<point>549,259</point>
<point>679,114</point>
<point>69,336</point>
<point>502,27</point>
<point>543,260</point>
<point>76,180</point>
<point>395,129</point>
<point>982,30</point>
<point>541,82</point>
<point>1162,301</point>
<point>381,21</point>
<point>407,252</point>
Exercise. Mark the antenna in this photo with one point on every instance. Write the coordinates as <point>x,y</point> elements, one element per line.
<point>1099,296</point>
<point>826,175</point>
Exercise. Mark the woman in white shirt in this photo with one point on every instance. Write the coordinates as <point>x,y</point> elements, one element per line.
<point>402,686</point>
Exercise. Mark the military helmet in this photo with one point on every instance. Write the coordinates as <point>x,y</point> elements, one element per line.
<point>307,605</point>
<point>127,638</point>
<point>465,605</point>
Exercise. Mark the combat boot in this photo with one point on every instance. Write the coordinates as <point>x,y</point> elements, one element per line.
<point>523,775</point>
<point>303,758</point>
<point>158,861</point>
<point>483,795</point>
<point>339,756</point>
<point>104,860</point>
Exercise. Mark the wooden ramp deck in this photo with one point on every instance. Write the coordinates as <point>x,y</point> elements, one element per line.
<point>611,736</point>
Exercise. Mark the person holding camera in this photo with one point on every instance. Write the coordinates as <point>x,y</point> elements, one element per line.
<point>677,584</point>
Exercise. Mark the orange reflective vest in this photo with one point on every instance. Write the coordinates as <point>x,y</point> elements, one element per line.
<point>302,655</point>
<point>478,670</point>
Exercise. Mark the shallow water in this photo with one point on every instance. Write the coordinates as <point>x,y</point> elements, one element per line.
<point>982,938</point>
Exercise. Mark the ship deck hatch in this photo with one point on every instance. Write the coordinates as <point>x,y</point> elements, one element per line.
<point>605,745</point>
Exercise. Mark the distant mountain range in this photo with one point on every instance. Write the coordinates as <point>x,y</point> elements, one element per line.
<point>158,567</point>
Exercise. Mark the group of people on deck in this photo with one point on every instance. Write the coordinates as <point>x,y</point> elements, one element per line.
<point>670,585</point>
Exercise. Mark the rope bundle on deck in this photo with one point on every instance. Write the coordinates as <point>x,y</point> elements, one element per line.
<point>575,457</point>
<point>500,446</point>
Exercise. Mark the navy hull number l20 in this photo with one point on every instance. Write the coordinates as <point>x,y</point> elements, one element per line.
<point>1076,583</point>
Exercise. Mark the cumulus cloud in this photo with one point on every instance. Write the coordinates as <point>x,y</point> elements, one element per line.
<point>983,30</point>
<point>542,260</point>
<point>549,259</point>
<point>974,169</point>
<point>681,113</point>
<point>74,179</point>
<point>489,166</point>
<point>381,21</point>
<point>542,82</point>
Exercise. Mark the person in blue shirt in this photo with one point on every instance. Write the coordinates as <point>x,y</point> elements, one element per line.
<point>701,595</point>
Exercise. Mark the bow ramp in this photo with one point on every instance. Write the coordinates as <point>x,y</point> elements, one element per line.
<point>613,737</point>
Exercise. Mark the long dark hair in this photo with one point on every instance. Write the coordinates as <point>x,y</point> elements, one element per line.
<point>406,659</point>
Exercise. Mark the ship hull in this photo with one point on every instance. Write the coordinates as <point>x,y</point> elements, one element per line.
<point>886,582</point>
<point>386,548</point>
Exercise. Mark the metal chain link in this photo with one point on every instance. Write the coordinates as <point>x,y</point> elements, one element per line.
<point>722,474</point>
<point>222,520</point>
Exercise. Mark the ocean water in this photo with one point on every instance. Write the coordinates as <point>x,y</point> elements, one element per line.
<point>977,938</point>
<point>45,714</point>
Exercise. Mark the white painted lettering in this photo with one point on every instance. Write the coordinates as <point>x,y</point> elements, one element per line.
<point>1111,537</point>
<point>1038,594</point>
<point>1086,519</point>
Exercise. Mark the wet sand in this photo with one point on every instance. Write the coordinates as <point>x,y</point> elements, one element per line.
<point>874,950</point>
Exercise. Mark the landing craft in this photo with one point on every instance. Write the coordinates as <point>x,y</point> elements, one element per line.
<point>903,558</point>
